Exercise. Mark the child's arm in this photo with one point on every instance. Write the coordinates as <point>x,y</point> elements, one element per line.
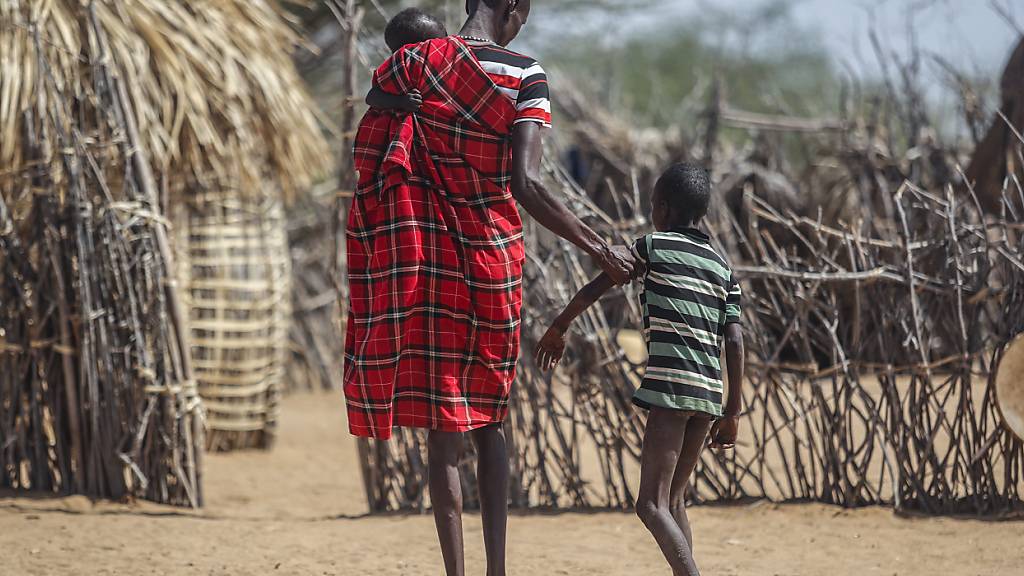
<point>551,347</point>
<point>410,102</point>
<point>724,430</point>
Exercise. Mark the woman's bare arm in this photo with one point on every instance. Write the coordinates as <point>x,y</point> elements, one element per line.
<point>725,429</point>
<point>527,153</point>
<point>734,356</point>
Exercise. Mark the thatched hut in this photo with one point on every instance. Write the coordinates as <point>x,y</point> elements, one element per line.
<point>109,113</point>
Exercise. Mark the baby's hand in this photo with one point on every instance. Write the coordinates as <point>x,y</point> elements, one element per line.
<point>550,349</point>
<point>412,101</point>
<point>723,432</point>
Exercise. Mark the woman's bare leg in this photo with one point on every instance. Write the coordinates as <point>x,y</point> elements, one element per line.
<point>492,477</point>
<point>444,449</point>
<point>663,443</point>
<point>693,443</point>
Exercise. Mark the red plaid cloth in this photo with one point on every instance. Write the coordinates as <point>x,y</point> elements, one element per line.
<point>435,251</point>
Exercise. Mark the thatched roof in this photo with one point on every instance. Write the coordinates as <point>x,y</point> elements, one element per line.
<point>216,97</point>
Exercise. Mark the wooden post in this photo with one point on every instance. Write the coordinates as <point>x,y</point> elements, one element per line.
<point>350,18</point>
<point>713,117</point>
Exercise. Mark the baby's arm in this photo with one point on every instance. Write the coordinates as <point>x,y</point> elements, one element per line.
<point>410,102</point>
<point>551,347</point>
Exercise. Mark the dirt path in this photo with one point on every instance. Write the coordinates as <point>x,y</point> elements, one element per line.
<point>299,510</point>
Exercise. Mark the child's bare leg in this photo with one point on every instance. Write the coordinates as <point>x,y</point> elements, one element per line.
<point>663,442</point>
<point>446,497</point>
<point>492,478</point>
<point>693,444</point>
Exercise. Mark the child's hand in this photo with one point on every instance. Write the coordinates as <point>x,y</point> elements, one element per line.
<point>412,101</point>
<point>550,349</point>
<point>724,431</point>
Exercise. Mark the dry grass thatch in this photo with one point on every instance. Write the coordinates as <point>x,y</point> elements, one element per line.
<point>215,90</point>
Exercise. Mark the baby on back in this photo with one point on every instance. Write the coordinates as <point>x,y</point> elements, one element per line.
<point>410,26</point>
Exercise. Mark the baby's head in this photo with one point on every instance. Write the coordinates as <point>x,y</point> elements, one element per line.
<point>412,26</point>
<point>681,197</point>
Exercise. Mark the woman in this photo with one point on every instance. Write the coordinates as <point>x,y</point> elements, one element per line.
<point>435,253</point>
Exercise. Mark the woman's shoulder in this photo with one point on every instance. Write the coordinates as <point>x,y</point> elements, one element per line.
<point>501,55</point>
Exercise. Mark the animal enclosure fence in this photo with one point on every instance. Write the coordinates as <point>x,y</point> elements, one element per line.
<point>867,383</point>
<point>878,299</point>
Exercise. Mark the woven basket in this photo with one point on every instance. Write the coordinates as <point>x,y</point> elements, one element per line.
<point>234,266</point>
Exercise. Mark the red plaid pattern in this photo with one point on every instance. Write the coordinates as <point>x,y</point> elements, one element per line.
<point>435,251</point>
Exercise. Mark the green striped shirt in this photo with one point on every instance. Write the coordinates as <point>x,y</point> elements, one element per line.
<point>689,296</point>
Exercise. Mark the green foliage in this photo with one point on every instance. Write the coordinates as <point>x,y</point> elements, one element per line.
<point>764,60</point>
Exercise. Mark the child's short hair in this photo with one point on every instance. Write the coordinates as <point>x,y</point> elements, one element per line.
<point>412,26</point>
<point>687,189</point>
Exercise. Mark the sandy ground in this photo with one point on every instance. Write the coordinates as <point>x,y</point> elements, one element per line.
<point>300,510</point>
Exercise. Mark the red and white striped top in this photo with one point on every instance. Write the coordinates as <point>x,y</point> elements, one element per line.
<point>519,77</point>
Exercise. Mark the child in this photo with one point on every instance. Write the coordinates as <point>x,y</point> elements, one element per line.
<point>410,26</point>
<point>691,305</point>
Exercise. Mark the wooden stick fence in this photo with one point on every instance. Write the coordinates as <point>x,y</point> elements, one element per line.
<point>864,387</point>
<point>316,338</point>
<point>871,345</point>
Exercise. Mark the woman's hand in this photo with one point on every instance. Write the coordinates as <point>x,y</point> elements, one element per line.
<point>724,431</point>
<point>550,349</point>
<point>618,263</point>
<point>528,189</point>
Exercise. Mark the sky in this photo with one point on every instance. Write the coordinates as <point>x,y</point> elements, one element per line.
<point>971,34</point>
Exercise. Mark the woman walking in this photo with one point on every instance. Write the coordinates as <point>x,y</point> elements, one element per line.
<point>435,254</point>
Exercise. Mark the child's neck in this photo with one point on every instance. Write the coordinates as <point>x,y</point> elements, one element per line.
<point>684,225</point>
